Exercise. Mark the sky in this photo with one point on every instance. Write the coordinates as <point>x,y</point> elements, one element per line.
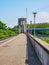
<point>11,10</point>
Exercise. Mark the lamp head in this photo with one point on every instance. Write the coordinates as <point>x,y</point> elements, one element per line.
<point>34,13</point>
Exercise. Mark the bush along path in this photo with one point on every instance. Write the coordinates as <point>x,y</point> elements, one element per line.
<point>6,32</point>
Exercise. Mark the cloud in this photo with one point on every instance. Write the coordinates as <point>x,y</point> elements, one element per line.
<point>43,17</point>
<point>43,14</point>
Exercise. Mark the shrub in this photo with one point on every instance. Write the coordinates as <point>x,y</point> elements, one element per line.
<point>6,33</point>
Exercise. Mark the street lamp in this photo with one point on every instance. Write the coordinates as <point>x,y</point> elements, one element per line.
<point>28,29</point>
<point>31,26</point>
<point>34,13</point>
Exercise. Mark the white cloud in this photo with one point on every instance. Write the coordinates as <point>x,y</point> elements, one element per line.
<point>43,17</point>
<point>43,14</point>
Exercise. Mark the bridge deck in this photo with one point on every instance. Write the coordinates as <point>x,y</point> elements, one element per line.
<point>18,52</point>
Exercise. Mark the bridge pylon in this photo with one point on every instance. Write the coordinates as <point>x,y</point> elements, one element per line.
<point>22,25</point>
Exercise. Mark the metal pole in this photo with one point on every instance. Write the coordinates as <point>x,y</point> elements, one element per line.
<point>34,25</point>
<point>34,13</point>
<point>28,29</point>
<point>31,27</point>
<point>26,19</point>
<point>26,12</point>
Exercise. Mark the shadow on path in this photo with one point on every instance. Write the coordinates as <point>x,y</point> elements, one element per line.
<point>31,57</point>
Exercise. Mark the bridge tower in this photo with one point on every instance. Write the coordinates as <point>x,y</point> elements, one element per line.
<point>22,25</point>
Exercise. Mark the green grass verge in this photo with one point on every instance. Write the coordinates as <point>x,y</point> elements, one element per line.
<point>44,38</point>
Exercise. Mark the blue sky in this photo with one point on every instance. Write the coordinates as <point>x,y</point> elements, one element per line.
<point>11,10</point>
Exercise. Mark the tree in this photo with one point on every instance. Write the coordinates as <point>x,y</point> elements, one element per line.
<point>14,29</point>
<point>2,25</point>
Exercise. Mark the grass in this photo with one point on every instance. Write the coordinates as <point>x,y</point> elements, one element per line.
<point>44,38</point>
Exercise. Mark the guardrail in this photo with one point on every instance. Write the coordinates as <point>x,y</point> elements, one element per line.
<point>41,48</point>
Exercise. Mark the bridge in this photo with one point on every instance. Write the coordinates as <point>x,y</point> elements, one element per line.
<point>22,50</point>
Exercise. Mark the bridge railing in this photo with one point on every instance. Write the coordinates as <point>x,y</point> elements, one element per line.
<point>38,28</point>
<point>41,48</point>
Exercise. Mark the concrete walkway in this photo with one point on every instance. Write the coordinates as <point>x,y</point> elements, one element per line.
<point>18,51</point>
<point>13,53</point>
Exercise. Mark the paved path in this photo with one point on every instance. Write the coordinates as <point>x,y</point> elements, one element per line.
<point>18,51</point>
<point>13,53</point>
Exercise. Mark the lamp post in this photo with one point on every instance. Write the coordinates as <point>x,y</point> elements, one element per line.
<point>34,13</point>
<point>28,29</point>
<point>31,27</point>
